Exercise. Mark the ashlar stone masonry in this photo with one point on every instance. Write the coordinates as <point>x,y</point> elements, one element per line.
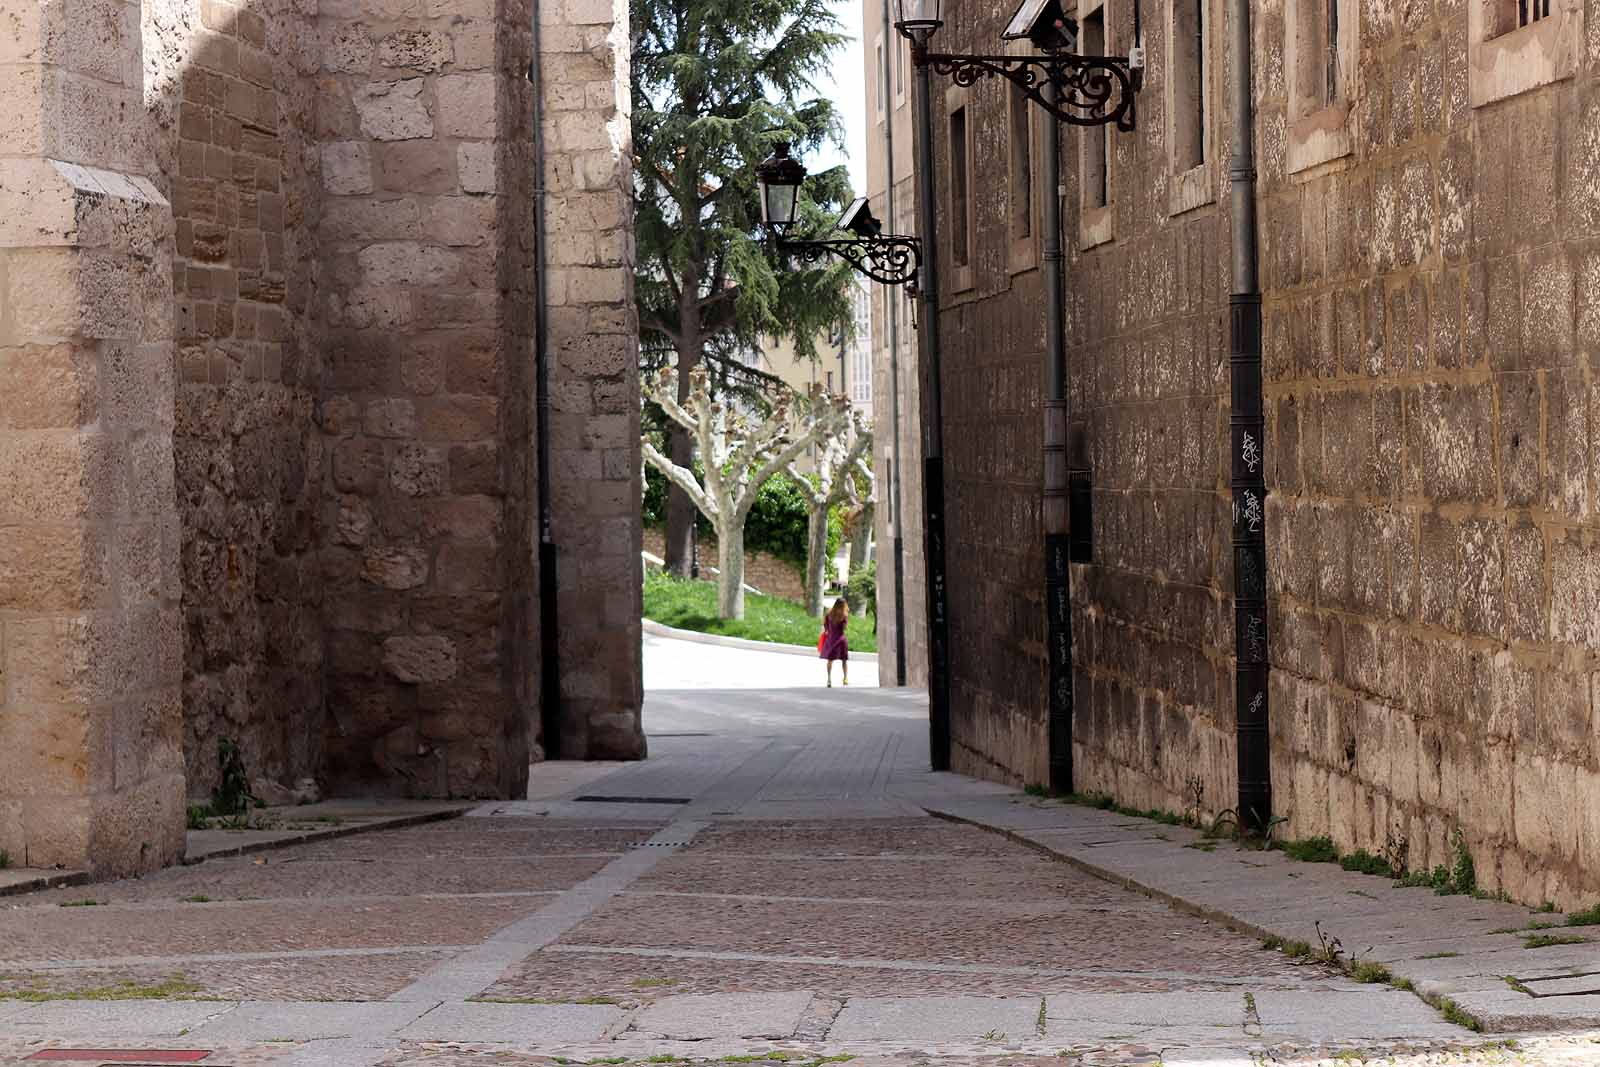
<point>268,316</point>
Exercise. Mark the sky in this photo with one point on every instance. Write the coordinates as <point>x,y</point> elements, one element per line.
<point>847,89</point>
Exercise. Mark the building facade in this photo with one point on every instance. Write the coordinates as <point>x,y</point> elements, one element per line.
<point>274,288</point>
<point>1428,201</point>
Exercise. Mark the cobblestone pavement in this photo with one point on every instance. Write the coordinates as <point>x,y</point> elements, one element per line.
<point>766,889</point>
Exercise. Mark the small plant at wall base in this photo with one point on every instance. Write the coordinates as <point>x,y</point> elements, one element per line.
<point>232,795</point>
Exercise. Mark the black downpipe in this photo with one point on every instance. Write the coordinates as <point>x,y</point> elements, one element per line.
<point>1057,547</point>
<point>933,430</point>
<point>892,302</point>
<point>549,616</point>
<point>1247,444</point>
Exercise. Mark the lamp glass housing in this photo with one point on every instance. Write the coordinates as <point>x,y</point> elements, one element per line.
<point>778,178</point>
<point>917,19</point>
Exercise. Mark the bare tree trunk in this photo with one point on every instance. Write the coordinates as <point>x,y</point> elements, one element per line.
<point>681,511</point>
<point>816,557</point>
<point>861,538</point>
<point>730,582</point>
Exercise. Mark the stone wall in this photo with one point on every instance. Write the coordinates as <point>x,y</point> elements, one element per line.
<point>1426,232</point>
<point>232,124</point>
<point>593,339</point>
<point>762,570</point>
<point>91,730</point>
<point>268,310</point>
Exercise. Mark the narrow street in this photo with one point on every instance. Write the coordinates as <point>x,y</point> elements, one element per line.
<point>767,886</point>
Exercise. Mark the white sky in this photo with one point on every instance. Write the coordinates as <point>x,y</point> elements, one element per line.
<point>847,89</point>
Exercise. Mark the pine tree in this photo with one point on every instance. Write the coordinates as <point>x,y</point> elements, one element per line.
<point>716,84</point>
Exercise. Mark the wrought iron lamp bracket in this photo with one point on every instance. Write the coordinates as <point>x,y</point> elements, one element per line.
<point>890,258</point>
<point>1090,90</point>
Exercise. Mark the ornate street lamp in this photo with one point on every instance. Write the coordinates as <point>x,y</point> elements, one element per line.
<point>1088,90</point>
<point>887,258</point>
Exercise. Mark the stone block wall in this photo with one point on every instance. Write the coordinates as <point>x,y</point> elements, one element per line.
<point>268,309</point>
<point>592,336</point>
<point>1430,365</point>
<point>232,126</point>
<point>91,760</point>
<point>424,399</point>
<point>1426,238</point>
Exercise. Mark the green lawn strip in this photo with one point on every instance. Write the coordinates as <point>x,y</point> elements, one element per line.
<point>176,987</point>
<point>692,605</point>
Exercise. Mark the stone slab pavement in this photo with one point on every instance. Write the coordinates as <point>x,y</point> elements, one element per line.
<point>1466,950</point>
<point>767,888</point>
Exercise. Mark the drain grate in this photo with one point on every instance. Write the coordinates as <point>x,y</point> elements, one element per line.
<point>593,799</point>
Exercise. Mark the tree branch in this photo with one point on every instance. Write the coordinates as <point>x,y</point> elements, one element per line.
<point>683,479</point>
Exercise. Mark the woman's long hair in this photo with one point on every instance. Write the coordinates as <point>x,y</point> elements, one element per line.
<point>839,612</point>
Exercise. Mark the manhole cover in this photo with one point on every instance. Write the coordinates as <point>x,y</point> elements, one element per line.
<point>591,799</point>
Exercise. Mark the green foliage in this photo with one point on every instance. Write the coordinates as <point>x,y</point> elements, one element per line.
<point>1311,850</point>
<point>1587,917</point>
<point>862,590</point>
<point>691,605</point>
<point>1547,940</point>
<point>1463,875</point>
<point>5,859</point>
<point>716,84</point>
<point>1363,862</point>
<point>777,521</point>
<point>197,816</point>
<point>1370,971</point>
<point>232,795</point>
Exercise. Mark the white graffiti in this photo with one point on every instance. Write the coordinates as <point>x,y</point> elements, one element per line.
<point>1251,452</point>
<point>1252,512</point>
<point>1255,704</point>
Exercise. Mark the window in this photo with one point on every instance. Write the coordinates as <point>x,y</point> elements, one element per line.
<point>1022,202</point>
<point>1517,45</point>
<point>880,92</point>
<point>1320,64</point>
<point>901,47</point>
<point>1094,154</point>
<point>1189,106</point>
<point>961,199</point>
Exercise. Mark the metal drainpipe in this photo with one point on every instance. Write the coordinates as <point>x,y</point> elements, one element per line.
<point>549,645</point>
<point>892,302</point>
<point>1247,444</point>
<point>933,430</point>
<point>1057,582</point>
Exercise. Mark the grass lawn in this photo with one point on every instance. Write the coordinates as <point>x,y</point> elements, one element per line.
<point>689,605</point>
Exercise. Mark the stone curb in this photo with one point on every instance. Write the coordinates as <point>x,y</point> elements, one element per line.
<point>51,880</point>
<point>659,630</point>
<point>1156,863</point>
<point>300,837</point>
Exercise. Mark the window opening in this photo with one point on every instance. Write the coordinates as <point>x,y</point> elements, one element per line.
<point>1096,178</point>
<point>959,193</point>
<point>1021,167</point>
<point>1189,87</point>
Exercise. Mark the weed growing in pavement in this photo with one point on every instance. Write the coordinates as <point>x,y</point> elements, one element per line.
<point>1331,948</point>
<point>1405,985</point>
<point>198,898</point>
<point>1586,917</point>
<point>232,795</point>
<point>85,903</point>
<point>1370,971</point>
<point>196,816</point>
<point>1439,956</point>
<point>1455,1013</point>
<point>1511,980</point>
<point>1547,907</point>
<point>1311,850</point>
<point>662,1058</point>
<point>1463,875</point>
<point>1036,790</point>
<point>1363,862</point>
<point>646,983</point>
<point>1547,940</point>
<point>995,1035</point>
<point>1042,1020</point>
<point>1202,846</point>
<point>1361,893</point>
<point>176,987</point>
<point>5,859</point>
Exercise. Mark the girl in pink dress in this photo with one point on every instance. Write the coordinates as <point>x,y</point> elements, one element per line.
<point>834,645</point>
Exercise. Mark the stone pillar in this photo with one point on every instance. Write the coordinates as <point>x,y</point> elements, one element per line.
<point>593,338</point>
<point>91,763</point>
<point>428,551</point>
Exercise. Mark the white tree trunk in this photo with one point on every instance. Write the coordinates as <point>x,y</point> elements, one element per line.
<point>861,539</point>
<point>816,556</point>
<point>730,561</point>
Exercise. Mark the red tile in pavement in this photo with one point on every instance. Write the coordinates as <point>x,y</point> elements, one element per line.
<point>124,1055</point>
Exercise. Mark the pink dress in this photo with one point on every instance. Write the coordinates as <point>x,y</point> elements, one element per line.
<point>834,645</point>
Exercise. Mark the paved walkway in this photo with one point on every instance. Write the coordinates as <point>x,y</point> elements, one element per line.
<point>766,888</point>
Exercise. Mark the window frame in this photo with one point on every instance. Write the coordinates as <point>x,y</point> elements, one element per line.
<point>1022,250</point>
<point>958,98</point>
<point>1194,186</point>
<point>1506,63</point>
<point>880,88</point>
<point>1095,223</point>
<point>1319,130</point>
